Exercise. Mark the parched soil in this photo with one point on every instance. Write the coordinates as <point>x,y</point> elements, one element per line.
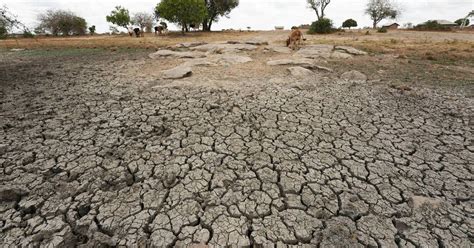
<point>97,149</point>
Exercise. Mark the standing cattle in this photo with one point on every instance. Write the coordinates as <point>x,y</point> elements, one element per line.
<point>137,32</point>
<point>159,30</point>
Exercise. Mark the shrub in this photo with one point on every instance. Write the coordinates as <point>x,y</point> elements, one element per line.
<point>349,23</point>
<point>3,32</point>
<point>321,26</point>
<point>431,26</point>
<point>382,30</point>
<point>28,34</point>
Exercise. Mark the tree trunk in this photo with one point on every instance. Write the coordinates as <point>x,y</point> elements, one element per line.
<point>209,26</point>
<point>204,25</point>
<point>375,24</point>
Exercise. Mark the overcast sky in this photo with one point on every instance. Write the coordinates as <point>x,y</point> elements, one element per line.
<point>258,14</point>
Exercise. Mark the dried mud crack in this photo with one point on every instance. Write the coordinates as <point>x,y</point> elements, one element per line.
<point>94,155</point>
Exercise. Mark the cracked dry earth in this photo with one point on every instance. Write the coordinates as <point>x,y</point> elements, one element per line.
<point>95,154</point>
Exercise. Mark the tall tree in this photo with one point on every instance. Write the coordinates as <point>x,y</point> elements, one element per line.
<point>143,20</point>
<point>120,16</point>
<point>217,9</point>
<point>379,10</point>
<point>182,12</point>
<point>8,21</point>
<point>319,6</point>
<point>60,22</point>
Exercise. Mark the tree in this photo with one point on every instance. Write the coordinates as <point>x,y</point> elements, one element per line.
<point>460,21</point>
<point>60,22</point>
<point>92,29</point>
<point>216,9</point>
<point>8,21</point>
<point>379,10</point>
<point>321,26</point>
<point>319,6</point>
<point>349,23</point>
<point>143,20</point>
<point>182,12</point>
<point>120,16</point>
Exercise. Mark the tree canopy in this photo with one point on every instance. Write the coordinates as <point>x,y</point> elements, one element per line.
<point>182,12</point>
<point>379,10</point>
<point>349,23</point>
<point>319,6</point>
<point>60,22</point>
<point>143,20</point>
<point>120,16</point>
<point>460,21</point>
<point>217,9</point>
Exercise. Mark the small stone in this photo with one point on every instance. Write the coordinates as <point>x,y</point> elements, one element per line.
<point>354,76</point>
<point>3,149</point>
<point>178,72</point>
<point>11,193</point>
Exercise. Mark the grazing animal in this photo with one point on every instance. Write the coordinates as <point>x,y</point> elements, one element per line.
<point>194,27</point>
<point>137,32</point>
<point>295,39</point>
<point>130,31</point>
<point>159,30</point>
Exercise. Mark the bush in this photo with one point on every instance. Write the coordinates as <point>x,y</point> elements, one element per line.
<point>59,22</point>
<point>28,34</point>
<point>321,26</point>
<point>382,30</point>
<point>431,26</point>
<point>349,23</point>
<point>3,32</point>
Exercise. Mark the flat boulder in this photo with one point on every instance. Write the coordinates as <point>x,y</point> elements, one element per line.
<point>278,49</point>
<point>178,72</point>
<point>315,51</point>
<point>351,50</point>
<point>293,62</point>
<point>199,62</point>
<point>340,55</point>
<point>190,44</point>
<point>174,54</point>
<point>256,42</point>
<point>231,59</point>
<point>224,48</point>
<point>300,72</point>
<point>354,76</point>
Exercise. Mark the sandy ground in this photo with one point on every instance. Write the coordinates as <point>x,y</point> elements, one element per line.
<point>98,149</point>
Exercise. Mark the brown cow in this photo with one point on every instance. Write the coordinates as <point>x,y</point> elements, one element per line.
<point>295,39</point>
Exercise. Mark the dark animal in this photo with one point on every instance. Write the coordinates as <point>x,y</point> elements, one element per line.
<point>137,32</point>
<point>159,30</point>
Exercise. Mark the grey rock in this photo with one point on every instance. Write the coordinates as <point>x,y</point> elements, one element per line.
<point>174,54</point>
<point>178,72</point>
<point>190,44</point>
<point>315,51</point>
<point>351,50</point>
<point>300,72</point>
<point>278,49</point>
<point>230,59</point>
<point>11,193</point>
<point>354,76</point>
<point>295,62</point>
<point>224,48</point>
<point>3,149</point>
<point>340,55</point>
